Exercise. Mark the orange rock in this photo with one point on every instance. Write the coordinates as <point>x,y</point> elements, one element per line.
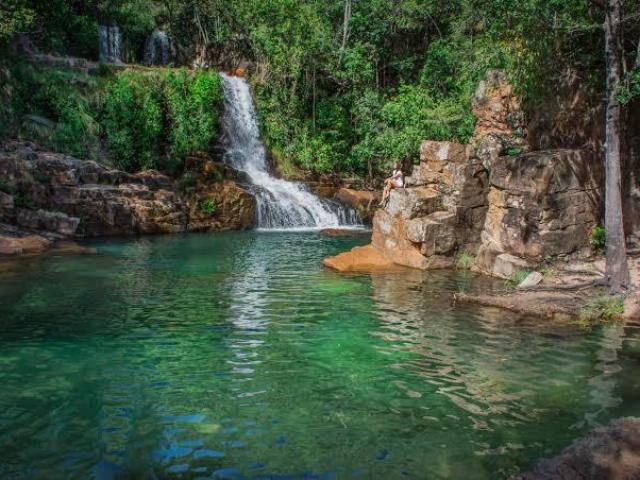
<point>360,259</point>
<point>20,245</point>
<point>239,72</point>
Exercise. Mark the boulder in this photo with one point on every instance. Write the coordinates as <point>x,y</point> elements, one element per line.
<point>359,259</point>
<point>611,452</point>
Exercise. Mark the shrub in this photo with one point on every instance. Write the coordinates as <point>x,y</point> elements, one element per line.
<point>133,120</point>
<point>208,206</point>
<point>602,310</point>
<point>598,238</point>
<point>193,104</point>
<point>465,261</point>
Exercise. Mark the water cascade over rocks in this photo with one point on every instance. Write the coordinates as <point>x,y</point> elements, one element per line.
<point>158,49</point>
<point>280,204</point>
<point>110,39</point>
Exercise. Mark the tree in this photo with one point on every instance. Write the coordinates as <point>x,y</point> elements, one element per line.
<point>616,263</point>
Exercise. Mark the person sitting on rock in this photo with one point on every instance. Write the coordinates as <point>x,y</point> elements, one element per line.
<point>396,180</point>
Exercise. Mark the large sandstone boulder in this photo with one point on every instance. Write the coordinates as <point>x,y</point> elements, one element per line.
<point>359,259</point>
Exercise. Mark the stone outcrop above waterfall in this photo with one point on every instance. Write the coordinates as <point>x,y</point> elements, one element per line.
<point>509,208</point>
<point>60,196</point>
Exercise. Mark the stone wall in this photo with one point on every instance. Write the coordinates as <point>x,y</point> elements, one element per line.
<point>60,195</point>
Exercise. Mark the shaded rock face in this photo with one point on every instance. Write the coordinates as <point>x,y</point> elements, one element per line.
<point>608,453</point>
<point>540,204</point>
<point>58,194</point>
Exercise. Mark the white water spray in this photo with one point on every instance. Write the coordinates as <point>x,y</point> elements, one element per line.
<point>280,204</point>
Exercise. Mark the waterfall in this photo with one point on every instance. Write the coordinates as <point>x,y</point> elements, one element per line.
<point>110,39</point>
<point>158,49</point>
<point>280,204</point>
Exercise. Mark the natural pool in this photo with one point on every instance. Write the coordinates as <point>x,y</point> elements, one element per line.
<point>237,356</point>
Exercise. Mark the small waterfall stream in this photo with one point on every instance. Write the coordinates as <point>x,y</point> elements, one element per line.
<point>110,43</point>
<point>158,50</point>
<point>280,204</point>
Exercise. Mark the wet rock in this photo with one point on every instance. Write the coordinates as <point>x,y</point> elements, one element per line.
<point>363,201</point>
<point>221,206</point>
<point>607,453</point>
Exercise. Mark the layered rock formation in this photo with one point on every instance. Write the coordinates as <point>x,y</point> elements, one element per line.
<point>61,196</point>
<point>509,208</point>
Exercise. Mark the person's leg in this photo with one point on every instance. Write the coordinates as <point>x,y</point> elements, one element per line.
<point>385,192</point>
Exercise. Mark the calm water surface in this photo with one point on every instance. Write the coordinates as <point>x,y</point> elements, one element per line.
<point>237,356</point>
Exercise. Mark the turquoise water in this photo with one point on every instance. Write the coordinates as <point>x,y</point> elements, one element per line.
<point>237,356</point>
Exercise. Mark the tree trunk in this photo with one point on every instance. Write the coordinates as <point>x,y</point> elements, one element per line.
<point>617,272</point>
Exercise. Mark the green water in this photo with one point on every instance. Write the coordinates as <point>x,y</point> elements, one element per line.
<point>237,356</point>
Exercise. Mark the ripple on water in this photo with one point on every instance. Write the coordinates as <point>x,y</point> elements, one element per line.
<point>237,355</point>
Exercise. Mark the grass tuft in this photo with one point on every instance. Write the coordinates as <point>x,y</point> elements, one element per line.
<point>465,261</point>
<point>602,310</point>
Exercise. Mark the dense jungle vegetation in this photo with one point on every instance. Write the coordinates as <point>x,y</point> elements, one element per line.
<point>341,86</point>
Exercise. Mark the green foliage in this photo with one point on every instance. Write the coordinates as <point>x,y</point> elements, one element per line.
<point>465,261</point>
<point>51,95</point>
<point>630,89</point>
<point>133,120</point>
<point>208,206</point>
<point>142,136</point>
<point>598,238</point>
<point>514,151</point>
<point>15,16</point>
<point>193,102</point>
<point>602,310</point>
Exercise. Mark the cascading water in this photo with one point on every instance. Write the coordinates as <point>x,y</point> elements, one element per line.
<point>158,49</point>
<point>110,38</point>
<point>280,204</point>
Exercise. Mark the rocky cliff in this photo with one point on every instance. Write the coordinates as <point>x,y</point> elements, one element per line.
<point>509,207</point>
<point>56,196</point>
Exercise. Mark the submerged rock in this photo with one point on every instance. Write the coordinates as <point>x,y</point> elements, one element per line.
<point>607,453</point>
<point>359,259</point>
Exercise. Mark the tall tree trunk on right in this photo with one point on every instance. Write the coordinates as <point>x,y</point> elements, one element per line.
<point>616,269</point>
